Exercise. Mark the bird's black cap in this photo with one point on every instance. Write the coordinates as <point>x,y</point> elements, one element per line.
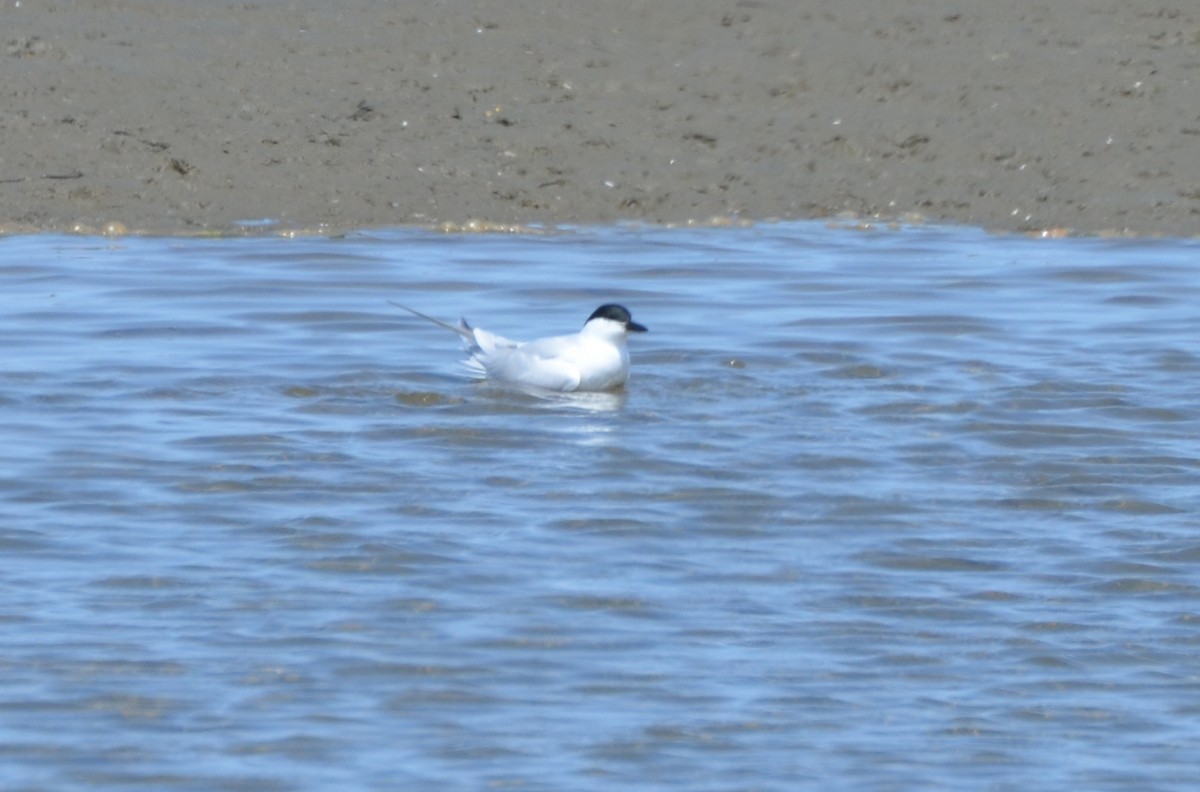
<point>617,313</point>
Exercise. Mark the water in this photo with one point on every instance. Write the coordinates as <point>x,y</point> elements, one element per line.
<point>878,510</point>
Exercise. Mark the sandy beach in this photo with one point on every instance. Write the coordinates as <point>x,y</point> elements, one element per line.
<point>174,117</point>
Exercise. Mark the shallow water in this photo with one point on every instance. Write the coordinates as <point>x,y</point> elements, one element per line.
<point>887,510</point>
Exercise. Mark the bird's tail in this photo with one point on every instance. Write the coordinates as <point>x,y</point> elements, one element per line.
<point>462,328</point>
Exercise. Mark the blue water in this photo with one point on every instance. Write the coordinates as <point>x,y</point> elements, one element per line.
<point>886,509</point>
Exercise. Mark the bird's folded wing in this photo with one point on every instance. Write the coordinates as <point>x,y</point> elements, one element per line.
<point>490,344</point>
<point>536,364</point>
<point>549,373</point>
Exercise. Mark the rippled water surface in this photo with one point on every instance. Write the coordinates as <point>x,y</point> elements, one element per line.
<point>878,510</point>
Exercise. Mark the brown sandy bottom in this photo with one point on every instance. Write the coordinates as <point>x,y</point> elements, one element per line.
<point>179,117</point>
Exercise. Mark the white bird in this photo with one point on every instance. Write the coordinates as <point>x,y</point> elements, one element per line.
<point>594,359</point>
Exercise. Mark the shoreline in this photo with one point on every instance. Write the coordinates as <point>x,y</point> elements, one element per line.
<point>848,222</point>
<point>184,118</point>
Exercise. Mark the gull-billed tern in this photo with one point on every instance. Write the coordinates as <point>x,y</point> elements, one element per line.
<point>594,359</point>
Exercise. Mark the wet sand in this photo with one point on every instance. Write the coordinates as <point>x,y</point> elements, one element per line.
<point>176,116</point>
